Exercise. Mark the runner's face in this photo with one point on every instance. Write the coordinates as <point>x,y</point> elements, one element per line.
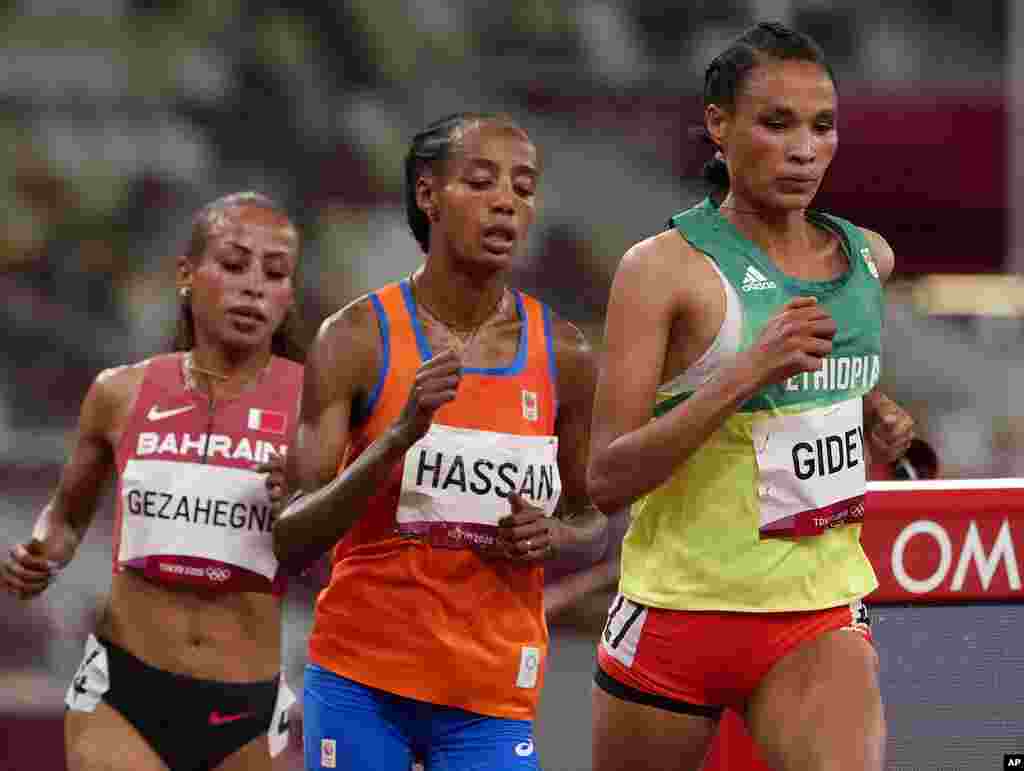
<point>242,286</point>
<point>781,137</point>
<point>486,199</point>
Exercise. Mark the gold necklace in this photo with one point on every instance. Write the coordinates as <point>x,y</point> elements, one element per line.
<point>191,367</point>
<point>450,329</point>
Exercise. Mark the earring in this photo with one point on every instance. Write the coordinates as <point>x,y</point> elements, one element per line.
<point>184,292</point>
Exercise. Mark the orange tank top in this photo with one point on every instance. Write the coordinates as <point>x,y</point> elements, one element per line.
<point>410,608</point>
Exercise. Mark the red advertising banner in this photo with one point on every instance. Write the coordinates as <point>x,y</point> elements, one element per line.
<point>946,540</point>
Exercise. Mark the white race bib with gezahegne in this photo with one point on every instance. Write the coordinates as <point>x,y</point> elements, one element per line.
<point>196,510</point>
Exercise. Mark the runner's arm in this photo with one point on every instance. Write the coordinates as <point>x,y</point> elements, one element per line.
<point>662,286</point>
<point>889,426</point>
<point>630,453</point>
<point>64,520</point>
<point>585,523</point>
<point>343,360</point>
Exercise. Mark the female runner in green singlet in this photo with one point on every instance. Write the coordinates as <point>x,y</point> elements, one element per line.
<point>735,405</point>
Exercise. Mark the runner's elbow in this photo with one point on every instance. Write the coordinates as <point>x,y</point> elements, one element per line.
<point>596,541</point>
<point>284,549</point>
<point>604,491</point>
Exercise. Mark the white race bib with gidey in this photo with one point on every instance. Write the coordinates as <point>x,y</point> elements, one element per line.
<point>456,483</point>
<point>811,470</point>
<point>174,511</point>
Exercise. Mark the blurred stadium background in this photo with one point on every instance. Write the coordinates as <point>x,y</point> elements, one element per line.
<point>121,117</point>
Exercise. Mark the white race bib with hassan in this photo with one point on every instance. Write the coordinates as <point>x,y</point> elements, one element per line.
<point>811,470</point>
<point>195,523</point>
<point>456,483</point>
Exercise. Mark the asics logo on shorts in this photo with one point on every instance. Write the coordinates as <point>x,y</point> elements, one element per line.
<point>525,749</point>
<point>155,413</point>
<point>754,280</point>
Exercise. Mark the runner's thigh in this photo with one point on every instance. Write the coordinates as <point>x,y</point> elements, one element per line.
<point>466,741</point>
<point>350,727</point>
<point>820,707</point>
<point>629,736</point>
<point>102,740</point>
<point>254,756</point>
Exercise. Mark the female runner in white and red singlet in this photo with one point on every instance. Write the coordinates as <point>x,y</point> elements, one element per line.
<point>184,670</point>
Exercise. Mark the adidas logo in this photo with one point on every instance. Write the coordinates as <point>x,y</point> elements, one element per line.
<point>754,280</point>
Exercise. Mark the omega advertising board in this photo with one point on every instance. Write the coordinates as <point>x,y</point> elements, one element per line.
<point>946,541</point>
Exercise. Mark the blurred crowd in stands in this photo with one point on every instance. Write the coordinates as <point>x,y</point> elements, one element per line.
<point>122,116</point>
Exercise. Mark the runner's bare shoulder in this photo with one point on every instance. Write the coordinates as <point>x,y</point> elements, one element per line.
<point>569,340</point>
<point>112,395</point>
<point>667,268</point>
<point>348,343</point>
<point>881,253</point>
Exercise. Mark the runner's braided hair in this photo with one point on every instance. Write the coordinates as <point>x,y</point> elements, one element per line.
<point>432,146</point>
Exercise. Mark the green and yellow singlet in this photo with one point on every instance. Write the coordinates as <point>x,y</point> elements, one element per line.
<point>766,515</point>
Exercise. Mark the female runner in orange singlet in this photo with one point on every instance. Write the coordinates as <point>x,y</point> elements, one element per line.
<point>459,412</point>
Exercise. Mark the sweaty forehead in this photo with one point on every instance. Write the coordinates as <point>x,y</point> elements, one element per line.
<point>502,144</point>
<point>253,223</point>
<point>798,85</point>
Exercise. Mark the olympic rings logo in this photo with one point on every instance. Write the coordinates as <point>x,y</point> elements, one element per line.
<point>220,575</point>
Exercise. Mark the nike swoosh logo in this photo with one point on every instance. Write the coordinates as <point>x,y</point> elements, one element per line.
<point>217,718</point>
<point>158,414</point>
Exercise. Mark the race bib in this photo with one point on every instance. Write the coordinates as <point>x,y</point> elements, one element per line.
<point>811,470</point>
<point>196,523</point>
<point>456,483</point>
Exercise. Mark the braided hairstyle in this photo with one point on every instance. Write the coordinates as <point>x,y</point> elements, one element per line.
<point>725,76</point>
<point>430,148</point>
